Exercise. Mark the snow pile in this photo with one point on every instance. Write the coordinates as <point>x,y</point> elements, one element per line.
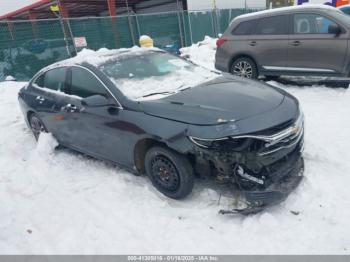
<point>202,53</point>
<point>173,82</point>
<point>61,202</point>
<point>100,56</point>
<point>185,75</point>
<point>10,78</point>
<point>46,144</point>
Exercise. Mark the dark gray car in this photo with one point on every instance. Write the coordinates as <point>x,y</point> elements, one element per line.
<point>144,110</point>
<point>302,40</point>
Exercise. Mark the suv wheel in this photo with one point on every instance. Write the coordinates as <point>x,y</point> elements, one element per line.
<point>244,67</point>
<point>170,172</point>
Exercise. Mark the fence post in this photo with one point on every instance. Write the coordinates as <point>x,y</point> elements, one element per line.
<point>184,26</point>
<point>179,22</point>
<point>130,25</point>
<point>64,35</point>
<point>190,26</point>
<point>10,27</point>
<point>138,25</point>
<point>113,15</point>
<point>63,13</point>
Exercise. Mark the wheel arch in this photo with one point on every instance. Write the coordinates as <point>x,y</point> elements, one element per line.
<point>29,114</point>
<point>140,150</point>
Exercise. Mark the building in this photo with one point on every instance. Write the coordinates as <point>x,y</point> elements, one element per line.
<point>93,8</point>
<point>196,5</point>
<point>335,3</point>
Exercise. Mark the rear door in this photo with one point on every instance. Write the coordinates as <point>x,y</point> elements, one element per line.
<point>311,48</point>
<point>48,98</point>
<point>264,39</point>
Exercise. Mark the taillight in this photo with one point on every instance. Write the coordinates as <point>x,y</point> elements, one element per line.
<point>220,42</point>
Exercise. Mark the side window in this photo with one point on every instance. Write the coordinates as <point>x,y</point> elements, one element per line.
<point>276,25</point>
<point>346,11</point>
<point>85,84</point>
<point>244,28</point>
<point>55,79</point>
<point>40,80</point>
<point>311,24</point>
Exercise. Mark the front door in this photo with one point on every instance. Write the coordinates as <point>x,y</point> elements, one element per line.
<point>312,49</point>
<point>94,130</point>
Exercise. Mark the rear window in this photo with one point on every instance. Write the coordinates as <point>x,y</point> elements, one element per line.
<point>276,25</point>
<point>244,28</point>
<point>54,79</point>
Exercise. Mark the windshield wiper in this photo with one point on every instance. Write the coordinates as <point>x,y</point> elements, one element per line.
<point>185,88</point>
<point>158,93</point>
<point>168,92</point>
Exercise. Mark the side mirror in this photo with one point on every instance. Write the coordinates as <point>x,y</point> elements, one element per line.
<point>96,101</point>
<point>334,30</point>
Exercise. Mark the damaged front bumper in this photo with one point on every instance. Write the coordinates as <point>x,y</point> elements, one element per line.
<point>257,174</point>
<point>247,202</point>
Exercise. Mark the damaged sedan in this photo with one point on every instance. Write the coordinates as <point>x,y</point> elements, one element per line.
<point>178,123</point>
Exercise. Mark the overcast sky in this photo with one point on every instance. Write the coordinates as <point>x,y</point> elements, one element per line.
<point>7,6</point>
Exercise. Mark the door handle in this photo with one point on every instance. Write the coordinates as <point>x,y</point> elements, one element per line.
<point>40,99</point>
<point>71,108</point>
<point>296,43</point>
<point>252,43</point>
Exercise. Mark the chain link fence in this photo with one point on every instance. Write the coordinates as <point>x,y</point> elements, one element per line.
<point>28,46</point>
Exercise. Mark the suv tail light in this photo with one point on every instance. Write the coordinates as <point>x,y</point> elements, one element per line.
<point>220,42</point>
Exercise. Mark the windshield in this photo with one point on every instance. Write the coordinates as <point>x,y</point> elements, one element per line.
<point>153,75</point>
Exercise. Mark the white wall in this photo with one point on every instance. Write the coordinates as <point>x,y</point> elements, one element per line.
<point>7,6</point>
<point>224,4</point>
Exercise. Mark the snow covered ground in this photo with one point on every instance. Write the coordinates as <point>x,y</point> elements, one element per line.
<point>61,202</point>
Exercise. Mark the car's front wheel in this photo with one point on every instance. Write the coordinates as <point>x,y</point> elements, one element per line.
<point>36,125</point>
<point>170,172</point>
<point>244,67</point>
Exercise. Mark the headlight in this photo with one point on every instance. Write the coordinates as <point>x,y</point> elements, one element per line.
<point>228,143</point>
<point>206,143</point>
<point>298,125</point>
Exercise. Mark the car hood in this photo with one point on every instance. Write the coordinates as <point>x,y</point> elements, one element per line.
<point>223,99</point>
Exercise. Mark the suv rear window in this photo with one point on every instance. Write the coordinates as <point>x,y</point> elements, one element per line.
<point>244,28</point>
<point>276,25</point>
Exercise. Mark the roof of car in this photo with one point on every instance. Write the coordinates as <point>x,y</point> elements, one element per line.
<point>101,56</point>
<point>344,7</point>
<point>287,9</point>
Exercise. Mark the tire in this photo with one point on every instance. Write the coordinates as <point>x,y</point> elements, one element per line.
<point>244,67</point>
<point>170,172</point>
<point>36,125</point>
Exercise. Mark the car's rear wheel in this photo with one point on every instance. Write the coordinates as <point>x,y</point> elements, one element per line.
<point>244,67</point>
<point>169,172</point>
<point>36,125</point>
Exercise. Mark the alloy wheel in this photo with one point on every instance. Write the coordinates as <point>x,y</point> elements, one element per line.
<point>243,69</point>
